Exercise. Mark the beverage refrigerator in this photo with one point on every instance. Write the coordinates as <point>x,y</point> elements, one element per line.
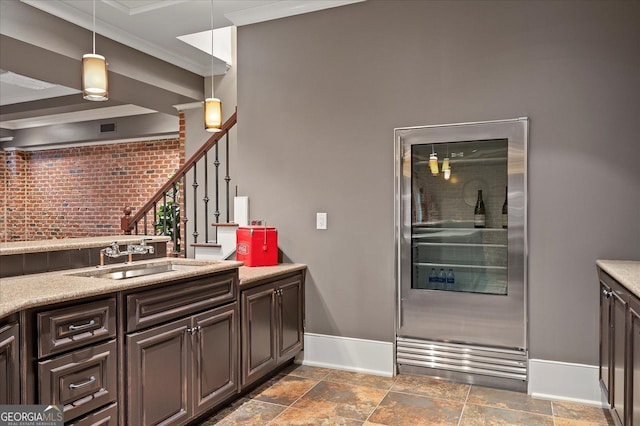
<point>461,204</point>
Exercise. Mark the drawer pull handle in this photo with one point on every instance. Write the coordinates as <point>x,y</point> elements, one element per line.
<point>85,383</point>
<point>80,327</point>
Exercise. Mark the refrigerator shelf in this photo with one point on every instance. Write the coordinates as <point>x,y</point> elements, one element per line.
<point>458,265</point>
<point>488,245</point>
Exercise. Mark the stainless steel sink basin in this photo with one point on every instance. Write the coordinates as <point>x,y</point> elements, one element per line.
<point>139,270</point>
<point>142,271</point>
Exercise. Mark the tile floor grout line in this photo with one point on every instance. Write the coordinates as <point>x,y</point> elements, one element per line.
<point>395,379</point>
<point>297,399</point>
<point>464,405</point>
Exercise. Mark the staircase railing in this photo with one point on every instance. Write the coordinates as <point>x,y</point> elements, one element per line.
<point>168,206</point>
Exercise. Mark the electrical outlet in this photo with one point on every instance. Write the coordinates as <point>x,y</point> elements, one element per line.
<point>321,221</point>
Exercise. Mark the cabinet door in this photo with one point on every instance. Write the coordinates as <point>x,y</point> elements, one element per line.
<point>291,314</point>
<point>9,365</point>
<point>215,357</point>
<point>619,335</point>
<point>259,332</point>
<point>157,374</point>
<point>634,364</point>
<point>605,339</point>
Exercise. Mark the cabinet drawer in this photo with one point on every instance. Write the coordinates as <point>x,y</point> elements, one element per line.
<point>167,303</point>
<point>68,328</point>
<point>106,417</point>
<point>81,381</point>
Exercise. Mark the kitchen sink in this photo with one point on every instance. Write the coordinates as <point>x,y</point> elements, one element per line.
<point>143,271</point>
<point>138,270</point>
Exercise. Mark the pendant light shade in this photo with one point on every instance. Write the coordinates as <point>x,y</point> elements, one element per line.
<point>212,105</point>
<point>447,174</point>
<point>446,168</point>
<point>95,86</point>
<point>94,78</point>
<point>212,114</point>
<point>433,164</point>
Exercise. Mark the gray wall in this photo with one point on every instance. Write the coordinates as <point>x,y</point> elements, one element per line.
<point>320,94</point>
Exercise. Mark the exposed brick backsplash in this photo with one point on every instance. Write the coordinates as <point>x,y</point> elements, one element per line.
<point>80,191</point>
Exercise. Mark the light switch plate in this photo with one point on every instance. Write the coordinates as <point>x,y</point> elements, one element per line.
<point>321,221</point>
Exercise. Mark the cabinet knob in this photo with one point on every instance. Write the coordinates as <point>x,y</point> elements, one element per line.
<point>606,293</point>
<point>192,330</point>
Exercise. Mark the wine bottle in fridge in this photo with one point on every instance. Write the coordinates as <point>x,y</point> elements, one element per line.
<point>505,210</point>
<point>479,213</point>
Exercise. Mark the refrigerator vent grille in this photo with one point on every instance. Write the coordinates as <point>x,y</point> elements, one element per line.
<point>495,362</point>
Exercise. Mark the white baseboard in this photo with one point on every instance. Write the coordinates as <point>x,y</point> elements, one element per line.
<point>347,353</point>
<point>565,381</point>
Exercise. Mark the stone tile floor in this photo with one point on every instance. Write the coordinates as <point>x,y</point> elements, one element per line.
<point>302,395</point>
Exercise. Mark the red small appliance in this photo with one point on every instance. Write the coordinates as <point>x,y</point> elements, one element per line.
<point>257,245</point>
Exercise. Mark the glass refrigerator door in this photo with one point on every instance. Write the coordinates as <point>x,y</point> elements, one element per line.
<point>453,248</point>
<point>458,282</point>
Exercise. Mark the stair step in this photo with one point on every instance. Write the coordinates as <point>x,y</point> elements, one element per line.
<point>225,224</point>
<point>214,245</point>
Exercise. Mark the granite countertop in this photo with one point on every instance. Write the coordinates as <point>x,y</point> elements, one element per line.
<point>38,246</point>
<point>626,272</point>
<point>252,274</point>
<point>29,291</point>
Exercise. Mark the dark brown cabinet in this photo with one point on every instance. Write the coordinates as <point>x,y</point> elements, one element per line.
<point>75,359</point>
<point>634,361</point>
<point>178,370</point>
<point>9,364</point>
<point>157,374</point>
<point>81,381</point>
<point>620,350</point>
<point>162,354</point>
<point>272,325</point>
<point>215,360</point>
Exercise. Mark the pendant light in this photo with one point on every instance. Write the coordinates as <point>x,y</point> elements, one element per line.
<point>94,71</point>
<point>433,162</point>
<point>212,105</point>
<point>446,168</point>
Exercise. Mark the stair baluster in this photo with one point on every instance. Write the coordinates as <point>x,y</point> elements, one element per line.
<point>169,204</point>
<point>227,178</point>
<point>195,196</point>
<point>205,199</point>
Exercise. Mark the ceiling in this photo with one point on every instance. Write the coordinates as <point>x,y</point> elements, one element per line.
<point>177,32</point>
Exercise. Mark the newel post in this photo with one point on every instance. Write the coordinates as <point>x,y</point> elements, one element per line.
<point>125,221</point>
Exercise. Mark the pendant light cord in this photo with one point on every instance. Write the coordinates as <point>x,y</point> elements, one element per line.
<point>94,26</point>
<point>212,48</point>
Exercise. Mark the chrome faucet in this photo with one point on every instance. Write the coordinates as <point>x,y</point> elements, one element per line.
<point>114,250</point>
<point>141,248</point>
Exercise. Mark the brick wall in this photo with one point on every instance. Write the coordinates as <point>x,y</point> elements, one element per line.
<point>13,193</point>
<point>80,192</point>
